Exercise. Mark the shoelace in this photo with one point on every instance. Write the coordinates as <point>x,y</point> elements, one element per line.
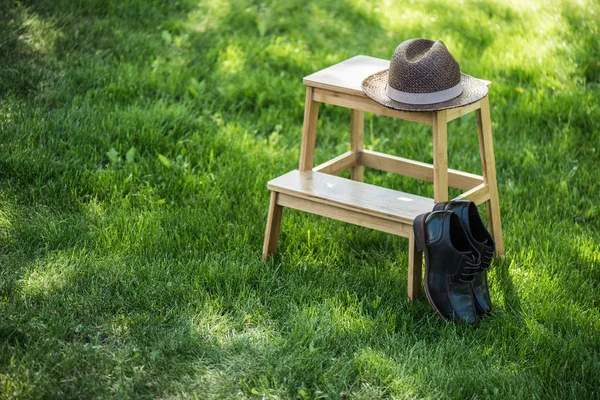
<point>468,272</point>
<point>488,256</point>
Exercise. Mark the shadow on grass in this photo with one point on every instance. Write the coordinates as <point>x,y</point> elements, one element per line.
<point>504,284</point>
<point>23,60</point>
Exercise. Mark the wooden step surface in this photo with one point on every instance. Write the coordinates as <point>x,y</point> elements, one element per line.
<point>347,76</point>
<point>351,195</point>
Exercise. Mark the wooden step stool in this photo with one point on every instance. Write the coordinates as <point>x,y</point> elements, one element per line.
<point>318,191</point>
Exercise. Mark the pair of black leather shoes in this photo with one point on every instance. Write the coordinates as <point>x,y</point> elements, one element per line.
<point>458,251</point>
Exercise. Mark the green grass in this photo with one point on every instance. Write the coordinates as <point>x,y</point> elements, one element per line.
<point>136,140</point>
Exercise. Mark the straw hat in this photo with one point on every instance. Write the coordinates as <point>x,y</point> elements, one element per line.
<point>423,76</point>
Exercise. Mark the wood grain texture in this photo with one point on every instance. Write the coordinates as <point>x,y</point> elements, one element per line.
<point>488,166</point>
<point>440,157</point>
<point>416,169</point>
<point>357,131</point>
<point>347,76</point>
<point>458,112</point>
<point>478,195</point>
<point>339,164</point>
<point>363,103</point>
<point>356,196</point>
<point>309,131</point>
<point>345,215</point>
<point>273,226</point>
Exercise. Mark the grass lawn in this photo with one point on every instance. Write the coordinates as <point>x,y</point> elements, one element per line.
<point>136,140</point>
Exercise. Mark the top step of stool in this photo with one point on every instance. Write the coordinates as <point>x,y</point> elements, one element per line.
<point>347,76</point>
<point>357,196</point>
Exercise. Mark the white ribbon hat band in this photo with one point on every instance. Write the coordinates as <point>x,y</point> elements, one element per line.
<point>423,98</point>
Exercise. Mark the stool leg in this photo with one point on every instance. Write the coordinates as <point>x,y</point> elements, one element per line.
<point>488,167</point>
<point>273,225</point>
<point>309,131</point>
<point>357,129</point>
<point>415,265</point>
<point>440,156</point>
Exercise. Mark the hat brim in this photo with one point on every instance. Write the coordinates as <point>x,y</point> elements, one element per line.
<point>374,87</point>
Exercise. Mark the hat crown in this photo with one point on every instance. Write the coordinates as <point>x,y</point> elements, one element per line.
<point>423,66</point>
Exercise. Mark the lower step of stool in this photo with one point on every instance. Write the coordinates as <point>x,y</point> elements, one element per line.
<point>350,201</point>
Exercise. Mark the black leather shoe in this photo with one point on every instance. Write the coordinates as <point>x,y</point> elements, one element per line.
<point>482,240</point>
<point>451,261</point>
